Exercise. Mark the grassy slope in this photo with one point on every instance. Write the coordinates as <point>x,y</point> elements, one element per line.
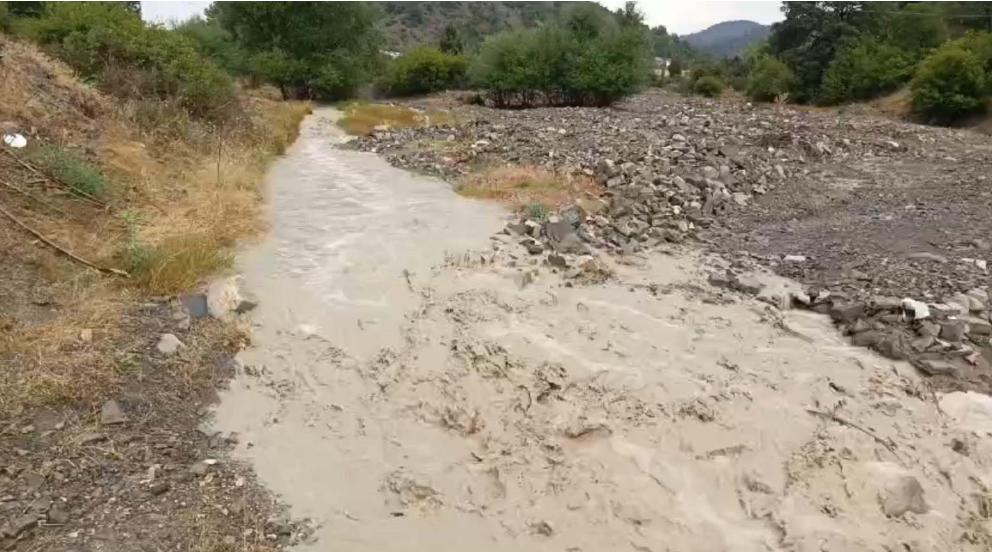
<point>164,214</point>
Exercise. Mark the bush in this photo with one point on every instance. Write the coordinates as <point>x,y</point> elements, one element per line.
<point>6,20</point>
<point>864,70</point>
<point>769,79</point>
<point>949,84</point>
<point>708,86</point>
<point>424,70</point>
<point>97,37</point>
<point>979,44</point>
<point>675,68</point>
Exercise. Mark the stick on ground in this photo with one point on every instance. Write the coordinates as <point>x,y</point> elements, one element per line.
<point>853,425</point>
<point>67,253</point>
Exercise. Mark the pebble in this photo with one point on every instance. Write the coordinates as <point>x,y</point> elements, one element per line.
<point>111,413</point>
<point>169,344</point>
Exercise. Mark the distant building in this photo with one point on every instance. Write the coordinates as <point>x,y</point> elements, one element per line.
<point>661,66</point>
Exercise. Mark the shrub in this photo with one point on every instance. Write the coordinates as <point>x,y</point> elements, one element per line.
<point>6,20</point>
<point>578,65</point>
<point>93,37</point>
<point>424,70</point>
<point>979,44</point>
<point>770,79</point>
<point>70,168</point>
<point>675,68</point>
<point>864,70</point>
<point>708,86</point>
<point>949,84</point>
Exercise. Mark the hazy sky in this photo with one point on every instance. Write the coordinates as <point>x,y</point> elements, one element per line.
<point>682,17</point>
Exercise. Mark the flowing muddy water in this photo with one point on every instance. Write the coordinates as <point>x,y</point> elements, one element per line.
<point>408,392</point>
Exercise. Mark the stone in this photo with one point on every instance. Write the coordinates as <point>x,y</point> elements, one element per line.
<point>159,488</point>
<point>847,312</point>
<point>572,214</point>
<point>749,284</point>
<point>86,336</point>
<point>975,304</point>
<point>112,414</point>
<point>867,338</point>
<point>921,344</point>
<point>533,246</point>
<point>925,256</point>
<point>795,258</point>
<point>928,329</point>
<point>953,330</point>
<point>90,438</point>
<point>892,304</point>
<point>557,261</point>
<point>979,326</point>
<point>247,304</point>
<point>936,367</point>
<point>903,495</point>
<point>58,516</point>
<point>169,344</point>
<point>892,346</point>
<point>516,228</point>
<point>199,469</point>
<point>225,298</point>
<point>19,525</point>
<point>195,304</point>
<point>721,279</point>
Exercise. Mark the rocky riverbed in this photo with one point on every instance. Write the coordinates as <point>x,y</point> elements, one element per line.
<point>865,212</point>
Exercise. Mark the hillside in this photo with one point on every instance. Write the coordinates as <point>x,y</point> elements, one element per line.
<point>411,23</point>
<point>728,39</point>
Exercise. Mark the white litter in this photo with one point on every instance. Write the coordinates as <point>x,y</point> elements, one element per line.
<point>916,309</point>
<point>15,140</point>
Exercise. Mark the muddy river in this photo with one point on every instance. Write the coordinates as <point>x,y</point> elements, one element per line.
<point>409,390</point>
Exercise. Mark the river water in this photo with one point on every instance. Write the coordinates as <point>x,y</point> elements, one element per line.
<point>406,392</point>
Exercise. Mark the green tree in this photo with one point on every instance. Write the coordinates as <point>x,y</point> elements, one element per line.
<point>675,68</point>
<point>332,47</point>
<point>864,69</point>
<point>452,41</point>
<point>424,70</point>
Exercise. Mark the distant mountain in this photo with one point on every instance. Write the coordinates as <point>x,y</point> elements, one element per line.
<point>412,23</point>
<point>728,39</point>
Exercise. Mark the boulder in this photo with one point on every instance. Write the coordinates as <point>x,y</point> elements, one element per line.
<point>953,330</point>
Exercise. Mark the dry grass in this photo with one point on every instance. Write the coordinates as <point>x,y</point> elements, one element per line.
<point>361,118</point>
<point>181,194</point>
<point>520,187</point>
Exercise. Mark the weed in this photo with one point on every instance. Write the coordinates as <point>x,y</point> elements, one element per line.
<point>361,118</point>
<point>69,167</point>
<point>527,188</point>
<point>538,211</point>
<point>179,263</point>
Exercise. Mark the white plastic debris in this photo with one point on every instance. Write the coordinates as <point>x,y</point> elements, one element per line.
<point>916,309</point>
<point>15,140</point>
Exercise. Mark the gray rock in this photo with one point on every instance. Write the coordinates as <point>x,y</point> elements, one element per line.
<point>975,304</point>
<point>749,284</point>
<point>921,344</point>
<point>904,495</point>
<point>112,413</point>
<point>926,256</point>
<point>892,304</point>
<point>159,488</point>
<point>58,516</point>
<point>928,329</point>
<point>573,214</point>
<point>936,367</point>
<point>557,261</point>
<point>894,346</point>
<point>195,304</point>
<point>18,525</point>
<point>721,279</point>
<point>169,344</point>
<point>199,469</point>
<point>847,312</point>
<point>516,228</point>
<point>979,326</point>
<point>533,246</point>
<point>246,305</point>
<point>868,338</point>
<point>953,330</point>
<point>90,438</point>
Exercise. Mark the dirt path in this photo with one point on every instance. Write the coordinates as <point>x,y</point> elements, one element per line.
<point>418,385</point>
